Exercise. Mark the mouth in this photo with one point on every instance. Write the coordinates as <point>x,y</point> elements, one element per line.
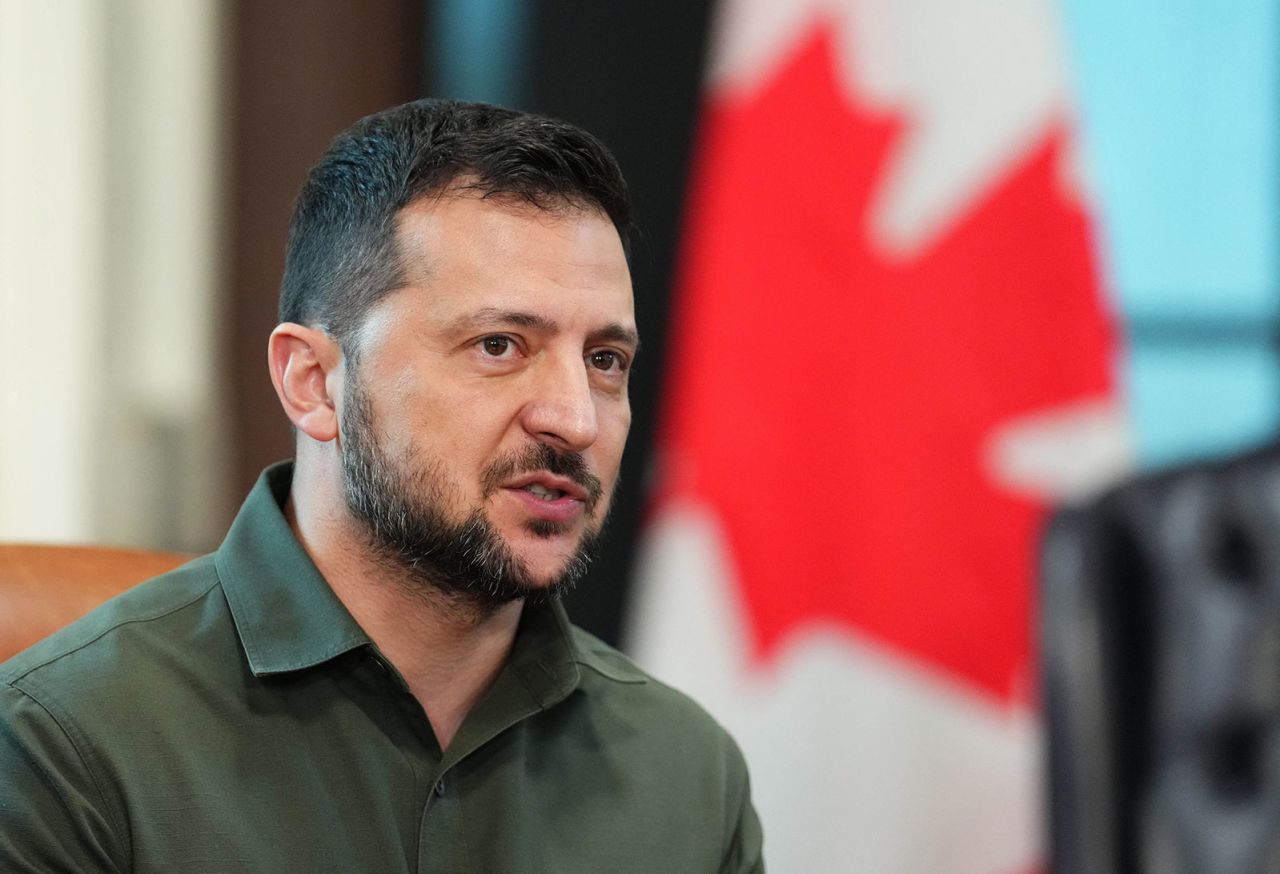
<point>550,498</point>
<point>548,487</point>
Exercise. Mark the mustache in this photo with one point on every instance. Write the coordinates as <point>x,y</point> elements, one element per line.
<point>540,456</point>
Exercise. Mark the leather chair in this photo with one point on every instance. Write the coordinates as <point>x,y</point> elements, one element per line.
<point>43,588</point>
<point>1160,629</point>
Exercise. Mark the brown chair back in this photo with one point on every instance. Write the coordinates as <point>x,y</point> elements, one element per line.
<point>43,588</point>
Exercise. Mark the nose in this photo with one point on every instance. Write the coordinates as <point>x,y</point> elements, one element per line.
<point>561,411</point>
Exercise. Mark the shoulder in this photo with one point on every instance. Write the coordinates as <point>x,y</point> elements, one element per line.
<point>119,638</point>
<point>621,687</point>
<point>669,746</point>
<point>69,708</point>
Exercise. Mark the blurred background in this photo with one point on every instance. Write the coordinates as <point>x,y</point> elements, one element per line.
<point>911,274</point>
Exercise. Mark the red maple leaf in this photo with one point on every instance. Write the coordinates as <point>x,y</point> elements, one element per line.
<point>832,404</point>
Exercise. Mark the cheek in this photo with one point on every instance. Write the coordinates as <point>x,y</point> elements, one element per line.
<point>456,420</point>
<point>612,439</point>
<point>477,435</point>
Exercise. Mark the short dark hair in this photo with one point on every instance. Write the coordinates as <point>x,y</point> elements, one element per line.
<point>342,256</point>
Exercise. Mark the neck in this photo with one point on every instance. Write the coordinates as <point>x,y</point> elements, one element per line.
<point>448,651</point>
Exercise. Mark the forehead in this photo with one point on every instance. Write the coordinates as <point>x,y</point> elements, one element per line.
<point>466,249</point>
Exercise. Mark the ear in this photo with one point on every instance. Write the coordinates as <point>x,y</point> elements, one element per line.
<point>302,362</point>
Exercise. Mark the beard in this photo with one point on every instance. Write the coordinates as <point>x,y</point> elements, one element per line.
<point>403,502</point>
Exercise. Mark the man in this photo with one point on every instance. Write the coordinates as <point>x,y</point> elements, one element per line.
<point>373,673</point>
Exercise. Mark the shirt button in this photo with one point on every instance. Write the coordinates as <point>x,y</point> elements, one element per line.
<point>440,788</point>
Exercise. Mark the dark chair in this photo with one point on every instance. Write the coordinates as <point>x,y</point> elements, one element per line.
<point>1160,629</point>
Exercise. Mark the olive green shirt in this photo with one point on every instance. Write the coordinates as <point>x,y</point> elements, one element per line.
<point>231,716</point>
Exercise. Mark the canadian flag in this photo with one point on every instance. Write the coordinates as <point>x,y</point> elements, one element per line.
<point>890,352</point>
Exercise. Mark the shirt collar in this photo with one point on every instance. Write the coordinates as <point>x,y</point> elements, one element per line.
<point>285,613</point>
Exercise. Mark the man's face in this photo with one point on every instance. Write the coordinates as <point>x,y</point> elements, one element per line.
<point>486,410</point>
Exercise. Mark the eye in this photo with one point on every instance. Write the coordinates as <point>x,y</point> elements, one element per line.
<point>608,359</point>
<point>496,346</point>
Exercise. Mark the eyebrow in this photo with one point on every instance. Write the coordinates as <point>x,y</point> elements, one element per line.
<point>616,333</point>
<point>496,316</point>
<point>613,332</point>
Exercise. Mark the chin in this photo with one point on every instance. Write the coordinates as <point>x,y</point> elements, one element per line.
<point>544,570</point>
<point>545,557</point>
<point>553,553</point>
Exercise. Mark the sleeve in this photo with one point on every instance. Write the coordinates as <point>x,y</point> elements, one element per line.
<point>52,815</point>
<point>744,854</point>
